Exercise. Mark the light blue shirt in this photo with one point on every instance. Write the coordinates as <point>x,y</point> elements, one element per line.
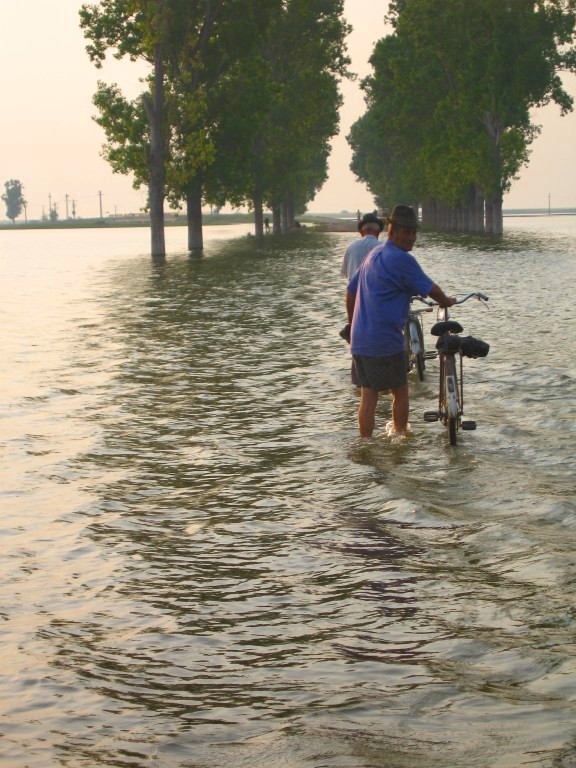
<point>356,253</point>
<point>383,286</point>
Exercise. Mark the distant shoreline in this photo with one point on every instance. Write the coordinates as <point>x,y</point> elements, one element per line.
<point>345,221</point>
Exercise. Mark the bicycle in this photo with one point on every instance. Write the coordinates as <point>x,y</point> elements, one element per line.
<point>451,384</point>
<point>414,332</point>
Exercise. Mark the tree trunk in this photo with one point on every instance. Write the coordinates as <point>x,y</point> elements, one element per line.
<point>478,215</point>
<point>498,216</point>
<point>489,216</point>
<point>276,220</point>
<point>258,216</point>
<point>194,217</point>
<point>495,131</point>
<point>155,110</point>
<point>290,211</point>
<point>284,218</point>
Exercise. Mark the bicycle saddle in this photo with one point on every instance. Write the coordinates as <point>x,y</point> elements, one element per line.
<point>446,326</point>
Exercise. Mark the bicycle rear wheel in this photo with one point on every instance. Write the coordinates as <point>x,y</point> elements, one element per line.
<point>421,355</point>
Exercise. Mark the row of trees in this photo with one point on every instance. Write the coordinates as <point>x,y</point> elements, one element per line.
<point>240,105</point>
<point>448,124</point>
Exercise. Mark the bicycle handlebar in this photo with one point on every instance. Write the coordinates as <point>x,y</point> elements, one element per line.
<point>474,295</point>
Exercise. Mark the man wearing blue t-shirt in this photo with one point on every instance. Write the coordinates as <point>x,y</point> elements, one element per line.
<point>378,302</point>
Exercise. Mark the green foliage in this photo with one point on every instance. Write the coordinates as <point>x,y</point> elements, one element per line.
<point>127,131</point>
<point>13,198</point>
<point>449,100</point>
<point>251,93</point>
<point>278,108</point>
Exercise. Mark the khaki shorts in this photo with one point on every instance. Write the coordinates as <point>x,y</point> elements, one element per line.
<point>380,373</point>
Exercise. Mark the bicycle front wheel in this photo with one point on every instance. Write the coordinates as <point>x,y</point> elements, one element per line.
<point>453,430</point>
<point>451,398</point>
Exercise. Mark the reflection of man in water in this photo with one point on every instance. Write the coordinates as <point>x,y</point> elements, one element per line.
<point>369,227</point>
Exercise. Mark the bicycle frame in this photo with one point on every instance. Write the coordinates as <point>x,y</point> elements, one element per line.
<point>451,376</point>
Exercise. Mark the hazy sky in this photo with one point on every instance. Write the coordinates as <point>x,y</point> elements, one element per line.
<point>50,143</point>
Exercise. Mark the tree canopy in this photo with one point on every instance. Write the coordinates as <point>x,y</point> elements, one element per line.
<point>240,105</point>
<point>449,100</point>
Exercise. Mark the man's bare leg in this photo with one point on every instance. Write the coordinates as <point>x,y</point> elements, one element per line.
<point>400,409</point>
<point>367,411</point>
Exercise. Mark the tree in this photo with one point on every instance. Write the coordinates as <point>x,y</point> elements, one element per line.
<point>453,88</point>
<point>279,110</point>
<point>137,29</point>
<point>197,83</point>
<point>155,31</point>
<point>164,138</point>
<point>14,199</point>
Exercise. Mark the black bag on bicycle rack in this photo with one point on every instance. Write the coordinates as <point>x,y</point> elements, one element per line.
<point>466,345</point>
<point>471,347</point>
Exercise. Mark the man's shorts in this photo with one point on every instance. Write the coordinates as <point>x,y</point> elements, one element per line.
<point>380,373</point>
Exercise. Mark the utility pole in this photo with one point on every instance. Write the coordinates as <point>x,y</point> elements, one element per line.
<point>100,196</point>
<point>73,209</point>
<point>66,196</point>
<point>49,203</point>
<point>548,203</point>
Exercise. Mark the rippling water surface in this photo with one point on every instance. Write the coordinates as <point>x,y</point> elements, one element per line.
<point>204,566</point>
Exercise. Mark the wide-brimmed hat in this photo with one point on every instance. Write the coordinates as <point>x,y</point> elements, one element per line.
<point>404,216</point>
<point>370,218</point>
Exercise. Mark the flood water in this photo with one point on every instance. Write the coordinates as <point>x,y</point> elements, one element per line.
<point>204,566</point>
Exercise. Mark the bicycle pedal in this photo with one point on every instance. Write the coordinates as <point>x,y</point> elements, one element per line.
<point>468,425</point>
<point>431,416</point>
<point>431,355</point>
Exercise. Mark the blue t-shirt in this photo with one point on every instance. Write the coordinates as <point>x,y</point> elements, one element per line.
<point>383,287</point>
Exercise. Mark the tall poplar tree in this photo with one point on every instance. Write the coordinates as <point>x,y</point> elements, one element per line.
<point>139,29</point>
<point>273,140</point>
<point>164,137</point>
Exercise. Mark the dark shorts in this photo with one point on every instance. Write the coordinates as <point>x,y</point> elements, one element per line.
<point>381,373</point>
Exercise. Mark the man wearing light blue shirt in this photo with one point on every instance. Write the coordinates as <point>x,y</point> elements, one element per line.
<point>369,227</point>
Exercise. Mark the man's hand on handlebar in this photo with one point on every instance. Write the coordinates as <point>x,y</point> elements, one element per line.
<point>439,296</point>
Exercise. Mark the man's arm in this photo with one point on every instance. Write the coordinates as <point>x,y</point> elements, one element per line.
<point>345,261</point>
<point>438,295</point>
<point>350,302</point>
